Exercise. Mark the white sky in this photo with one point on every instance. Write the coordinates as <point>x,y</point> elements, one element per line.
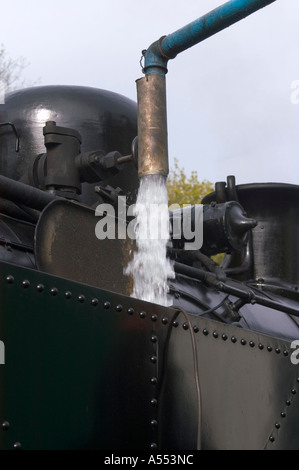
<point>229,97</point>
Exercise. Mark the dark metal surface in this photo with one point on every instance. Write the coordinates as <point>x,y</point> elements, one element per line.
<point>246,380</point>
<point>63,144</point>
<point>16,242</point>
<point>201,299</point>
<point>78,365</point>
<point>225,226</point>
<point>104,119</point>
<point>24,194</point>
<point>275,239</point>
<point>86,368</point>
<point>66,245</point>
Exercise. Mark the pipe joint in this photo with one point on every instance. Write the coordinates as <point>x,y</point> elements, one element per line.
<point>155,60</point>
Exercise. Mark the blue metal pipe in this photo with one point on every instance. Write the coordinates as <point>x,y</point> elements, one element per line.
<point>152,119</point>
<point>157,55</point>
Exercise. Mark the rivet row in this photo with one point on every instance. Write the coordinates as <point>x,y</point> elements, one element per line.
<point>54,291</point>
<point>283,413</point>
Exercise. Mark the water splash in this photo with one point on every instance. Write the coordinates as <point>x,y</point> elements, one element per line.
<point>150,267</point>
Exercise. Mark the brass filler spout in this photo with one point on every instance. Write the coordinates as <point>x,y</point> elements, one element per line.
<point>152,126</point>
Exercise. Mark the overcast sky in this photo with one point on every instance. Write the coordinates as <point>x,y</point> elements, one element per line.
<point>229,97</point>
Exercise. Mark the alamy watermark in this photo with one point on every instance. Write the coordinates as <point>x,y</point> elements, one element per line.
<point>295,92</point>
<point>295,354</point>
<point>2,92</point>
<point>185,223</point>
<point>2,353</point>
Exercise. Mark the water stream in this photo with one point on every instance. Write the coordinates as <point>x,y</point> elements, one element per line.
<point>150,267</point>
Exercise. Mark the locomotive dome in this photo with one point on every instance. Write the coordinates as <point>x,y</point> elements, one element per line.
<point>104,119</point>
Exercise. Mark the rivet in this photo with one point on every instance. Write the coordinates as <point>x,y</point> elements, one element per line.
<point>195,329</point>
<point>130,311</point>
<point>288,402</point>
<point>154,338</point>
<point>94,302</point>
<point>243,342</point>
<point>269,348</point>
<point>293,391</point>
<point>205,332</point>
<point>154,317</point>
<point>67,294</point>
<point>185,326</point>
<point>81,298</point>
<point>271,439</point>
<point>297,379</point>
<point>17,445</point>
<point>5,425</point>
<point>283,414</point>
<point>154,446</point>
<point>154,423</point>
<point>25,283</point>
<point>224,337</point>
<point>154,359</point>
<point>277,425</point>
<point>154,402</point>
<point>252,344</point>
<point>261,346</point>
<point>154,380</point>
<point>9,279</point>
<point>233,339</point>
<point>54,291</point>
<point>119,308</point>
<point>106,304</point>
<point>175,323</point>
<point>285,353</point>
<point>40,287</point>
<point>164,320</point>
<point>215,334</point>
<point>277,350</point>
<point>142,314</point>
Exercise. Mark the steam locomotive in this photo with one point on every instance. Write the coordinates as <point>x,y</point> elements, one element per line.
<point>87,366</point>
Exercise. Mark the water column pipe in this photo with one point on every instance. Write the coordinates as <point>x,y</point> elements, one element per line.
<point>151,89</point>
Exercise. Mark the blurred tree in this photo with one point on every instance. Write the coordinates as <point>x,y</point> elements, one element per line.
<point>183,189</point>
<point>11,71</point>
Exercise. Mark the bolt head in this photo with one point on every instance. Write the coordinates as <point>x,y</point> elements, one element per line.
<point>5,425</point>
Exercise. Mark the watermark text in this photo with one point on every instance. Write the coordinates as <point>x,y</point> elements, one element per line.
<point>2,353</point>
<point>295,92</point>
<point>2,92</point>
<point>295,354</point>
<point>151,222</point>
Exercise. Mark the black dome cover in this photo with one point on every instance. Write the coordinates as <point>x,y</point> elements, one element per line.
<point>105,120</point>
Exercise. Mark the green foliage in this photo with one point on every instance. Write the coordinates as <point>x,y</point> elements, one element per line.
<point>188,190</point>
<point>183,189</point>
